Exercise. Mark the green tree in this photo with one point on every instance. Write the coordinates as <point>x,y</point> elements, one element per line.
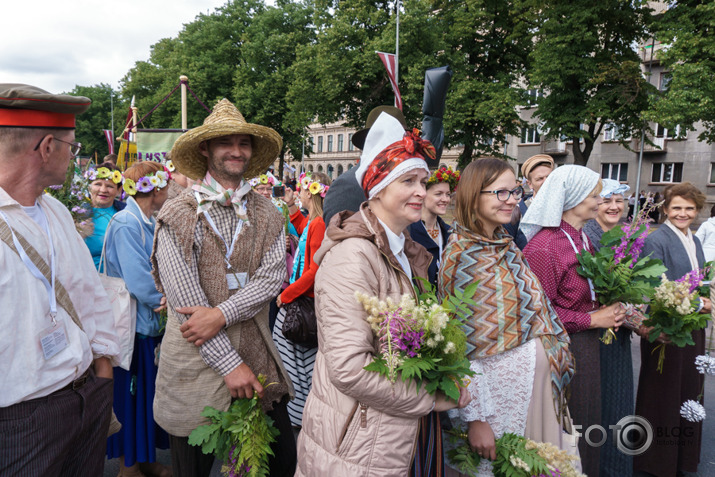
<point>584,61</point>
<point>98,117</point>
<point>687,28</point>
<point>264,74</point>
<point>207,51</point>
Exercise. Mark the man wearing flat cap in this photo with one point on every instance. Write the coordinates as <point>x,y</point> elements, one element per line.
<point>535,170</point>
<point>57,345</point>
<point>219,257</point>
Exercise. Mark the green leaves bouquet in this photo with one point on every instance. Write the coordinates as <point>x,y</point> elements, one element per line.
<point>240,437</point>
<point>421,339</point>
<point>74,194</point>
<point>675,312</point>
<point>517,456</point>
<point>618,272</point>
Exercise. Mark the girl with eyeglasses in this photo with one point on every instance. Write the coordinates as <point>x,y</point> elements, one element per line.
<point>553,226</point>
<point>517,345</point>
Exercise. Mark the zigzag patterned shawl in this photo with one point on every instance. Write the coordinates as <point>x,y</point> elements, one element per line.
<point>511,307</point>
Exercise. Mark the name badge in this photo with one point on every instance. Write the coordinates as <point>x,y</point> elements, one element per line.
<point>236,280</point>
<point>53,339</point>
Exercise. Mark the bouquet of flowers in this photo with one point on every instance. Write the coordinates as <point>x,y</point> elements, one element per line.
<point>517,456</point>
<point>74,194</point>
<point>240,437</point>
<point>618,272</point>
<point>421,339</point>
<point>675,312</point>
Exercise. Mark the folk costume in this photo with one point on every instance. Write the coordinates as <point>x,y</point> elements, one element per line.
<point>515,342</point>
<point>355,422</point>
<point>226,249</point>
<point>617,400</point>
<point>57,319</point>
<point>551,254</point>
<point>660,395</point>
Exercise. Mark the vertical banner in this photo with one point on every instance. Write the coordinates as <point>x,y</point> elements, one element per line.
<point>109,136</point>
<point>388,59</point>
<point>154,144</point>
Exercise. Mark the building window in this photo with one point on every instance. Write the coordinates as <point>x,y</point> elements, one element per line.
<point>330,143</point>
<point>340,170</point>
<point>712,173</point>
<point>320,168</point>
<point>667,172</point>
<point>350,166</point>
<point>532,96</point>
<point>613,133</point>
<point>320,143</point>
<point>671,134</point>
<point>350,142</point>
<point>617,172</point>
<point>310,168</point>
<point>340,143</point>
<point>665,78</point>
<point>530,135</point>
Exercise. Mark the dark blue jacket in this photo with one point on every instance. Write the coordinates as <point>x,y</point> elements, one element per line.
<point>513,229</point>
<point>419,234</point>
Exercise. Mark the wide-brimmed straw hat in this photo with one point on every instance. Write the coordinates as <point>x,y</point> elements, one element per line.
<point>225,120</point>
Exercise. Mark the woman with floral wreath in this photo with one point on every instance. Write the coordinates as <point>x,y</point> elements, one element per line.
<point>128,248</point>
<point>105,185</point>
<point>431,231</point>
<point>297,359</point>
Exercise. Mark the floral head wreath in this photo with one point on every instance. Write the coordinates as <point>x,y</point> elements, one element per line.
<point>263,179</point>
<point>170,165</point>
<point>104,173</point>
<point>314,187</point>
<point>446,175</point>
<point>147,183</point>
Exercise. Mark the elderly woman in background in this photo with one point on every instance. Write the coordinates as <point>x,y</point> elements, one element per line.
<point>356,422</point>
<point>519,352</point>
<point>616,361</point>
<point>129,245</point>
<point>706,234</point>
<point>660,395</point>
<point>553,226</point>
<point>104,187</point>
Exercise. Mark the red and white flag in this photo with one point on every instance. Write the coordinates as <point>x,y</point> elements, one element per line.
<point>109,136</point>
<point>388,59</point>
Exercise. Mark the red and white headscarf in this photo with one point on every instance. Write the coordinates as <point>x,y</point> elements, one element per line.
<point>390,152</point>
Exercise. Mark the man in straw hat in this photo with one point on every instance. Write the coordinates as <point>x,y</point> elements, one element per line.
<point>345,193</point>
<point>58,343</point>
<point>535,170</point>
<point>219,257</point>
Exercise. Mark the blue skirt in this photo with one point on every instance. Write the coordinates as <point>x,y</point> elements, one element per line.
<point>133,404</point>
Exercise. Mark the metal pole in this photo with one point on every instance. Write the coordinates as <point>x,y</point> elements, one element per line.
<point>111,105</point>
<point>640,152</point>
<point>397,49</point>
<point>302,156</point>
<point>184,80</point>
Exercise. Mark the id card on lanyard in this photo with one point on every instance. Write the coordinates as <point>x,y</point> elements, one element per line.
<point>235,280</point>
<point>53,338</point>
<point>584,239</point>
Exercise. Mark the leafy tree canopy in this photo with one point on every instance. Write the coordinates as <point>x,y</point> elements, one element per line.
<point>98,117</point>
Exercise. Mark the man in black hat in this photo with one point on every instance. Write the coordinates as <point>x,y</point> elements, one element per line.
<point>346,193</point>
<point>58,343</point>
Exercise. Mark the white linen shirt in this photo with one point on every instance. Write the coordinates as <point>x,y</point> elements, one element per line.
<point>397,247</point>
<point>24,372</point>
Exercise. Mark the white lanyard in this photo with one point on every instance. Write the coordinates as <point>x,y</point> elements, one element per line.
<point>229,250</point>
<point>575,249</point>
<point>50,287</point>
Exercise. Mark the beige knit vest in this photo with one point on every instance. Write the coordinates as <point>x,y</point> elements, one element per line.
<point>185,383</point>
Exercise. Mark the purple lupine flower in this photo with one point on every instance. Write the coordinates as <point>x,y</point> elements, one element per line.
<point>693,278</point>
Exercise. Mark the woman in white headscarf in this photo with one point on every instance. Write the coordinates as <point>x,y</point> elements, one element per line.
<point>553,225</point>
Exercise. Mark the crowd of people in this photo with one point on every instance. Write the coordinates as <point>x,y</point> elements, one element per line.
<point>219,258</point>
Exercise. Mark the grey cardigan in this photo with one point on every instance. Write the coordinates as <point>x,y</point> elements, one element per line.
<point>665,245</point>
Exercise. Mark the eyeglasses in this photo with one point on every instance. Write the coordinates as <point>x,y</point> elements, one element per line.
<point>75,147</point>
<point>504,194</point>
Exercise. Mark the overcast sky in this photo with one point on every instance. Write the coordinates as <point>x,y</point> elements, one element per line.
<point>57,45</point>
